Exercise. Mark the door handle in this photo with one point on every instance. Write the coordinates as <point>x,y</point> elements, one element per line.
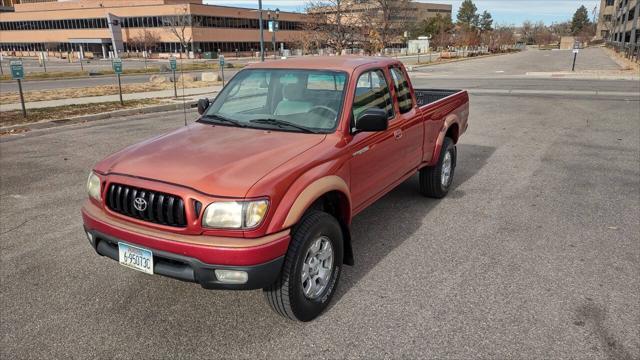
<point>397,134</point>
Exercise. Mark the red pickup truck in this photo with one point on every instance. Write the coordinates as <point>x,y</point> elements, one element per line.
<point>261,190</point>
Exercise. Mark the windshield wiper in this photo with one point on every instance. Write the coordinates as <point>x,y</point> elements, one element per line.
<point>281,123</point>
<point>224,119</point>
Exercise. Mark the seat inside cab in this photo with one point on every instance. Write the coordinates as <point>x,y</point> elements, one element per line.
<point>293,100</point>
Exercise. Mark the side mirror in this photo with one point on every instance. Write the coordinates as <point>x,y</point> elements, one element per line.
<point>372,120</point>
<point>203,104</point>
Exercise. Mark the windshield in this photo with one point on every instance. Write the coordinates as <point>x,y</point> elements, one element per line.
<point>281,99</point>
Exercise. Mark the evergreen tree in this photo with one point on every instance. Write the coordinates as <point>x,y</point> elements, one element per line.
<point>580,20</point>
<point>436,25</point>
<point>486,21</point>
<point>467,15</point>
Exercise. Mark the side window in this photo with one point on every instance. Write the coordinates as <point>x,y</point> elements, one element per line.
<point>405,102</point>
<point>372,92</point>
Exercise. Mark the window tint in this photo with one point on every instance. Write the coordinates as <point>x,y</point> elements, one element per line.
<point>372,92</point>
<point>246,95</point>
<point>405,102</point>
<point>281,94</point>
<point>290,79</point>
<point>325,82</point>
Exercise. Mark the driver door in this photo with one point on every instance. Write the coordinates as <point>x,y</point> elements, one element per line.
<point>374,164</point>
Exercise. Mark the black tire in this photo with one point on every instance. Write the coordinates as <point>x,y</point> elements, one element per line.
<point>286,296</point>
<point>430,178</point>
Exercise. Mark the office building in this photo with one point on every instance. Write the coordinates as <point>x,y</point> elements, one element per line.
<point>619,23</point>
<point>106,27</point>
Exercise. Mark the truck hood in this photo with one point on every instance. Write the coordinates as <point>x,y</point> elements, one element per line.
<point>217,160</point>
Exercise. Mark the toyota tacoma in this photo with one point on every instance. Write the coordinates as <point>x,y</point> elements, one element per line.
<point>260,191</point>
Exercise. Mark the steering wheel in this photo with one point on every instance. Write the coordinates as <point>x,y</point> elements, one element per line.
<point>324,108</point>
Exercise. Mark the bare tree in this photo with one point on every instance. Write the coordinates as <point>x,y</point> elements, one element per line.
<point>180,26</point>
<point>467,37</point>
<point>586,34</point>
<point>145,40</point>
<point>332,19</point>
<point>527,32</point>
<point>308,39</point>
<point>389,19</point>
<point>561,29</point>
<point>543,35</point>
<point>503,36</point>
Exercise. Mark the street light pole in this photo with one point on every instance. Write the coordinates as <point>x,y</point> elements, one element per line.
<point>261,31</point>
<point>274,28</point>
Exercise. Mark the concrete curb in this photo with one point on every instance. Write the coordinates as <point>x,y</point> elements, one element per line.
<point>578,93</point>
<point>603,75</point>
<point>99,116</point>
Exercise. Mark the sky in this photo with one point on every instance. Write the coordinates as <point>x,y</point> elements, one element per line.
<point>504,12</point>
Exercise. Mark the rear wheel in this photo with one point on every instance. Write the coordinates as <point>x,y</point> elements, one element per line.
<point>436,180</point>
<point>311,268</point>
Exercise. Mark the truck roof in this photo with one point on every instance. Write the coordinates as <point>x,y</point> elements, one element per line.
<point>344,63</point>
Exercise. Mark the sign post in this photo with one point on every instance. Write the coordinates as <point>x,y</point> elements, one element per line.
<point>17,73</point>
<point>174,65</point>
<point>221,63</point>
<point>576,50</point>
<point>117,68</point>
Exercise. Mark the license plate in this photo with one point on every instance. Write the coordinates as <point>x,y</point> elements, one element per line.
<point>135,258</point>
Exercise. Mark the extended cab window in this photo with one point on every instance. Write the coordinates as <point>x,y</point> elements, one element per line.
<point>281,99</point>
<point>405,102</point>
<point>372,92</point>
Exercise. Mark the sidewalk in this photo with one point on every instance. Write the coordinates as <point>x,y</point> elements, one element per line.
<point>193,92</point>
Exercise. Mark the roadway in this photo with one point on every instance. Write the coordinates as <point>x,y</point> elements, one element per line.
<point>534,254</point>
<point>498,72</point>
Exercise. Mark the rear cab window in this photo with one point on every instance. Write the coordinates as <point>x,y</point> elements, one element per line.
<point>403,91</point>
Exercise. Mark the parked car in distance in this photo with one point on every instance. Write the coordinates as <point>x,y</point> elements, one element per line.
<point>260,191</point>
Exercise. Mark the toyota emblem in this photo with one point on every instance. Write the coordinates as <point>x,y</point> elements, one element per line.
<point>140,204</point>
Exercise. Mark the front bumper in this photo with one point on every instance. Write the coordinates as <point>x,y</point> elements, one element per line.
<point>191,257</point>
<point>193,270</point>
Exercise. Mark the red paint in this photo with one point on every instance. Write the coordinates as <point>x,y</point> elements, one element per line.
<point>211,255</point>
<point>212,163</point>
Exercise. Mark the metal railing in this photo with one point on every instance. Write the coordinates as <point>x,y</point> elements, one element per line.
<point>628,50</point>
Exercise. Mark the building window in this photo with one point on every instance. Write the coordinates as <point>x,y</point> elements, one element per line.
<point>610,2</point>
<point>632,14</point>
<point>607,18</point>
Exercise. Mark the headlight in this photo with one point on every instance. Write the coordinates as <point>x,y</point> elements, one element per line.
<point>93,186</point>
<point>235,214</point>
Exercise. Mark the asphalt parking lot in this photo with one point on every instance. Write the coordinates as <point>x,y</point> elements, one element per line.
<point>534,254</point>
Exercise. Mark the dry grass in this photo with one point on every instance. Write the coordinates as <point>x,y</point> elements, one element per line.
<point>625,64</point>
<point>56,94</point>
<point>9,118</point>
<point>151,69</point>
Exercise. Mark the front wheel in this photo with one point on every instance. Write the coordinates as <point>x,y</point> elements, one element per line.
<point>436,180</point>
<point>311,268</point>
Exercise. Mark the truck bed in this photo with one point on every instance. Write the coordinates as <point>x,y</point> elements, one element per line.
<point>427,96</point>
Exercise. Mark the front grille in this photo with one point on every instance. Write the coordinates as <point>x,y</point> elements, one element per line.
<point>157,207</point>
